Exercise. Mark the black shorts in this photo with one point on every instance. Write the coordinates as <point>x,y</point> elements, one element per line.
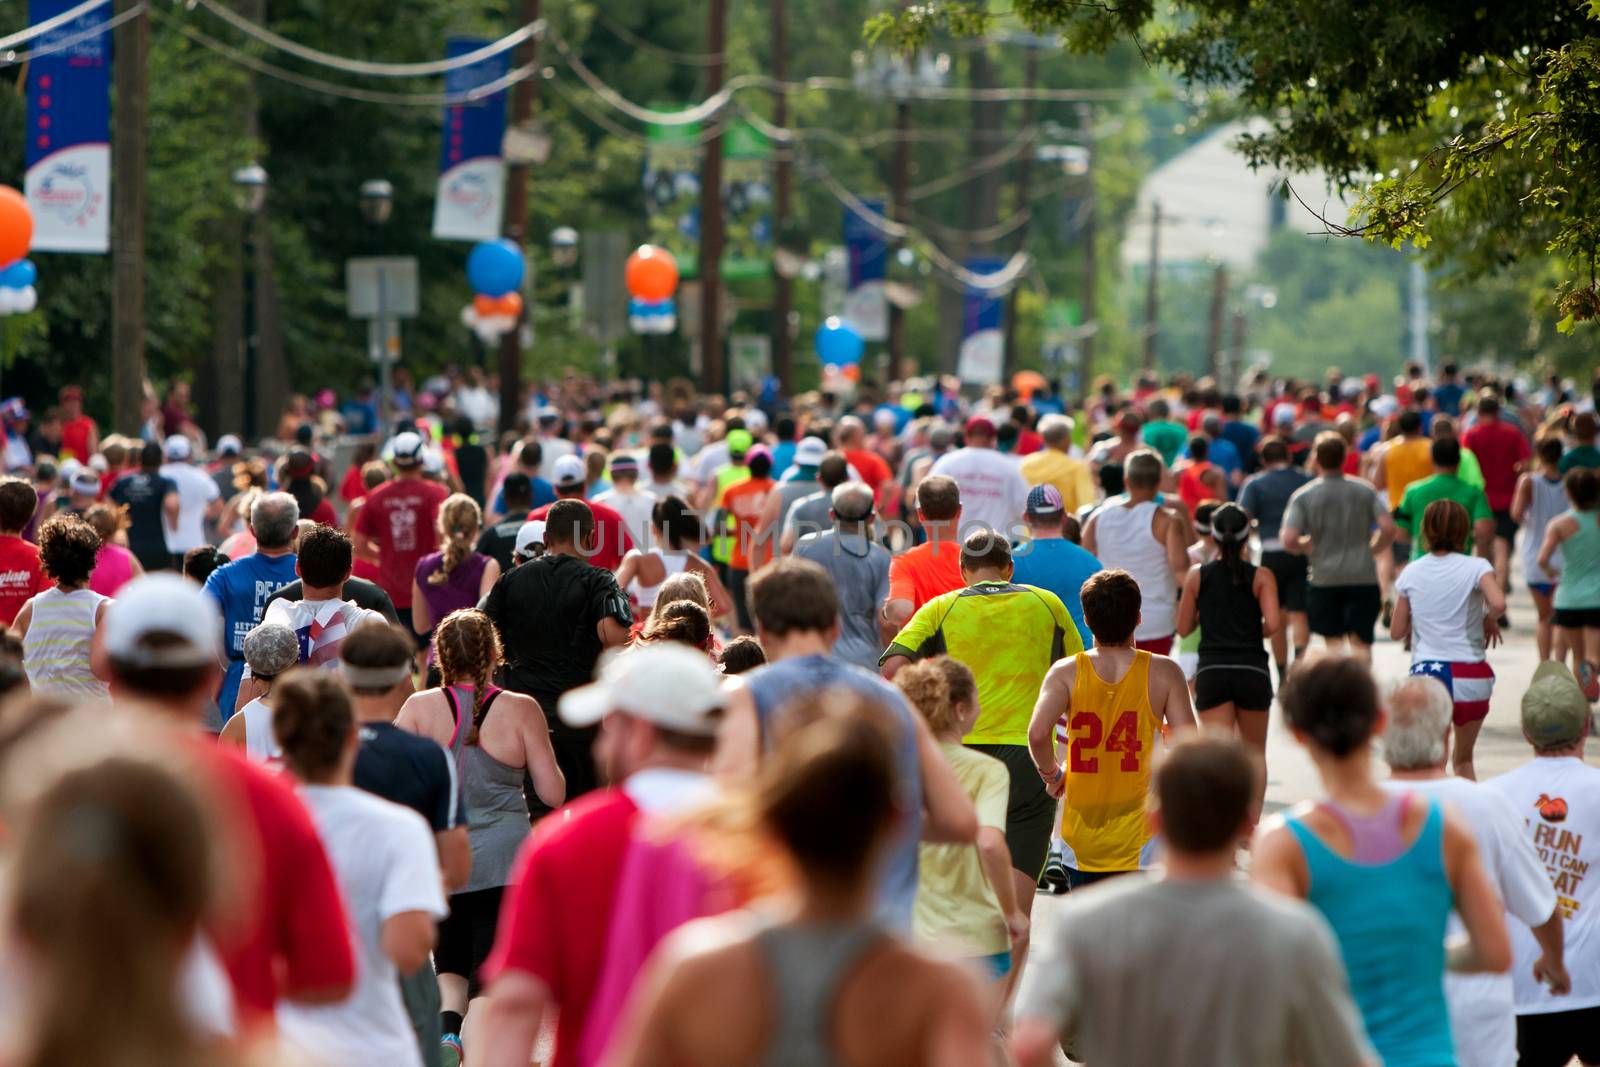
<point>1337,610</point>
<point>1077,879</point>
<point>1552,1039</point>
<point>1246,688</point>
<point>1505,527</point>
<point>1031,811</point>
<point>467,934</point>
<point>1576,618</point>
<point>738,581</point>
<point>1290,572</point>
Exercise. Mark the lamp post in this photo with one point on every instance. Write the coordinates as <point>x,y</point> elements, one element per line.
<point>377,204</point>
<point>250,194</point>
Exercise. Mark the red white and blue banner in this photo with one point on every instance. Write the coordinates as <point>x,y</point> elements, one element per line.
<point>68,183</point>
<point>983,338</point>
<point>471,195</point>
<point>865,304</point>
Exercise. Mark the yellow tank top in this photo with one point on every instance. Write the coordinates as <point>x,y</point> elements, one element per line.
<point>1404,463</point>
<point>1108,742</point>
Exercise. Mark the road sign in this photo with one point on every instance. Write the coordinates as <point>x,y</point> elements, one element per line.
<point>381,287</point>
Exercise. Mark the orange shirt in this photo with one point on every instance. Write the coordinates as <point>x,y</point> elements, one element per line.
<point>744,501</point>
<point>1405,462</point>
<point>922,573</point>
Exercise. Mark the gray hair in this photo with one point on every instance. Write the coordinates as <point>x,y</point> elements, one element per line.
<point>850,427</point>
<point>272,519</point>
<point>852,502</point>
<point>1419,720</point>
<point>1056,431</point>
<point>1142,469</point>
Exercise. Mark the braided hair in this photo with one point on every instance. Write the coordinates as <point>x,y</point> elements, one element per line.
<point>458,524</point>
<point>467,648</point>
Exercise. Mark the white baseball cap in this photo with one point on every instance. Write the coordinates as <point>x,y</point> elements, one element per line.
<point>179,448</point>
<point>433,461</point>
<point>669,684</point>
<point>530,533</point>
<point>405,449</point>
<point>569,471</point>
<point>68,468</point>
<point>229,445</point>
<point>809,452</point>
<point>166,604</point>
<point>85,483</point>
<point>1384,406</point>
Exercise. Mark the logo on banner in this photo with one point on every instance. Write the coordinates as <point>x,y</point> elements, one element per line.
<point>66,192</point>
<point>68,152</point>
<point>470,193</point>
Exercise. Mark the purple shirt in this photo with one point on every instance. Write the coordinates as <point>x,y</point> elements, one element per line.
<point>458,590</point>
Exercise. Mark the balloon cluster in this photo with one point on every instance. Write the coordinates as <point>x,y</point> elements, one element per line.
<point>651,276</point>
<point>495,269</point>
<point>17,275</point>
<point>840,346</point>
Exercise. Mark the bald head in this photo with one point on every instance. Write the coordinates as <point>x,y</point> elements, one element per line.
<point>851,431</point>
<point>1419,724</point>
<point>852,503</point>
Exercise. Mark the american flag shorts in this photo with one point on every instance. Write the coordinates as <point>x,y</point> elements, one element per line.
<point>1470,686</point>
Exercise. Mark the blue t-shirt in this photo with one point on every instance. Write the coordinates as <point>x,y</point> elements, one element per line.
<point>1225,455</point>
<point>1244,438</point>
<point>1266,498</point>
<point>1061,567</point>
<point>1448,397</point>
<point>241,590</point>
<point>1368,438</point>
<point>782,457</point>
<point>543,493</point>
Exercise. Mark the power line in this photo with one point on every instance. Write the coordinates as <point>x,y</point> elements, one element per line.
<point>28,33</point>
<point>11,59</point>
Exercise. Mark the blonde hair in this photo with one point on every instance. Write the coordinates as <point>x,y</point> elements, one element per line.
<point>458,523</point>
<point>685,585</point>
<point>467,648</point>
<point>107,520</point>
<point>926,689</point>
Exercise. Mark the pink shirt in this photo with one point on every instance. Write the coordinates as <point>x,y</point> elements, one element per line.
<point>113,569</point>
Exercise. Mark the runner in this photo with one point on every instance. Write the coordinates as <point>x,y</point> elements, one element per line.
<point>799,482</point>
<point>678,537</point>
<point>270,650</point>
<point>493,754</point>
<point>397,523</point>
<point>1199,479</point>
<point>1110,729</point>
<point>59,626</point>
<point>1274,990</point>
<point>1502,450</point>
<point>114,565</point>
<point>1576,535</point>
<point>1384,870</point>
<point>199,500</point>
<point>743,501</point>
<point>1340,523</point>
<point>499,537</point>
<point>322,618</point>
<point>1055,465</point>
<point>1447,605</point>
<point>611,540</point>
<point>811,513</point>
<point>21,575</point>
<point>1048,559</point>
<point>457,576</point>
<point>1416,745</point>
<point>1558,796</point>
<point>1139,535</point>
<point>1234,604</point>
<point>1540,499</point>
<point>1445,484</point>
<point>1162,434</point>
<point>993,492</point>
<point>932,568</point>
<point>152,503</point>
<point>243,587</point>
<point>840,989</point>
<point>387,869</point>
<point>859,567</point>
<point>627,498</point>
<point>1265,496</point>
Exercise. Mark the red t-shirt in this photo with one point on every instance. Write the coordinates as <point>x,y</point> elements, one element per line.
<point>289,936</point>
<point>75,438</point>
<point>611,538</point>
<point>873,470</point>
<point>399,515</point>
<point>557,909</point>
<point>353,488</point>
<point>1500,448</point>
<point>20,576</point>
<point>324,514</point>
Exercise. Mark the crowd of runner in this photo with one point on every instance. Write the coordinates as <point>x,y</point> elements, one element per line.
<point>675,729</point>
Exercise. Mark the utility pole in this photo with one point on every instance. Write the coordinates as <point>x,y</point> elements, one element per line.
<point>1030,75</point>
<point>900,211</point>
<point>782,341</point>
<point>517,228</point>
<point>131,72</point>
<point>711,229</point>
<point>1219,300</point>
<point>1236,363</point>
<point>1090,265</point>
<point>1152,295</point>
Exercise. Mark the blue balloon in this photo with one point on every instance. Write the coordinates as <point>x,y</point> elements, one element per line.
<point>839,342</point>
<point>19,275</point>
<point>495,267</point>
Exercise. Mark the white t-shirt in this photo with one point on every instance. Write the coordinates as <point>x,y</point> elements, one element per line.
<point>196,489</point>
<point>1559,801</point>
<point>993,491</point>
<point>260,744</point>
<point>1483,1018</point>
<point>635,507</point>
<point>320,625</point>
<point>1446,606</point>
<point>385,860</point>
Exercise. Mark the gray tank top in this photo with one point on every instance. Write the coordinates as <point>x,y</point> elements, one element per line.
<point>497,813</point>
<point>806,964</point>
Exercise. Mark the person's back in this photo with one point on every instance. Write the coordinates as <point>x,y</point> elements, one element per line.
<point>1407,460</point>
<point>1266,497</point>
<point>196,491</point>
<point>1123,541</point>
<point>1579,587</point>
<point>1337,513</point>
<point>1230,616</point>
<point>141,493</point>
<point>553,645</point>
<point>56,647</point>
<point>400,516</point>
<point>860,570</point>
<point>1056,564</point>
<point>497,813</point>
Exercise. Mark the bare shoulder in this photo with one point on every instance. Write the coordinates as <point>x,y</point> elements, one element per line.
<point>1165,670</point>
<point>519,704</point>
<point>1062,672</point>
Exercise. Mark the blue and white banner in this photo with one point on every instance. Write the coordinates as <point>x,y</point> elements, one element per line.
<point>983,338</point>
<point>865,302</point>
<point>68,183</point>
<point>471,196</point>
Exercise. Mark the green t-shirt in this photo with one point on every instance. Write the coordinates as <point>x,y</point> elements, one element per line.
<point>1009,635</point>
<point>1168,438</point>
<point>1469,471</point>
<point>1581,456</point>
<point>1408,516</point>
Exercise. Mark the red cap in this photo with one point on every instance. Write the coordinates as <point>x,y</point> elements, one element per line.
<point>980,426</point>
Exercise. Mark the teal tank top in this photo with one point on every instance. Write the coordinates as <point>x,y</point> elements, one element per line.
<point>1580,564</point>
<point>1389,919</point>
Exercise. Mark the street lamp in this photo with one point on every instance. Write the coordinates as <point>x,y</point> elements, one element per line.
<point>377,201</point>
<point>564,246</point>
<point>376,198</point>
<point>250,194</point>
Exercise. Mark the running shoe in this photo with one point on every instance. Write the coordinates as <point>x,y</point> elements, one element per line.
<point>1054,878</point>
<point>450,1050</point>
<point>1589,680</point>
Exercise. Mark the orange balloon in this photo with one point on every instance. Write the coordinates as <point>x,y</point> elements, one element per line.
<point>851,372</point>
<point>509,305</point>
<point>485,306</point>
<point>1028,382</point>
<point>16,225</point>
<point>652,274</point>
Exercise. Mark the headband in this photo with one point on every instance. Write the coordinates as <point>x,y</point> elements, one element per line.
<point>374,677</point>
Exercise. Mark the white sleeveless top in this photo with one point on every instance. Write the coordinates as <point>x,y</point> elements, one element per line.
<point>673,561</point>
<point>1123,542</point>
<point>55,651</point>
<point>259,743</point>
<point>1549,501</point>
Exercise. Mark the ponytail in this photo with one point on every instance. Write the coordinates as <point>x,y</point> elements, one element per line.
<point>458,523</point>
<point>467,646</point>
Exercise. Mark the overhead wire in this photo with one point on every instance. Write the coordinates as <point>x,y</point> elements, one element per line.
<point>11,58</point>
<point>28,33</point>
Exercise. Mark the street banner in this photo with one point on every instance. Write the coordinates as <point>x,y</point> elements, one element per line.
<point>747,202</point>
<point>672,190</point>
<point>471,195</point>
<point>68,182</point>
<point>982,327</point>
<point>865,303</point>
